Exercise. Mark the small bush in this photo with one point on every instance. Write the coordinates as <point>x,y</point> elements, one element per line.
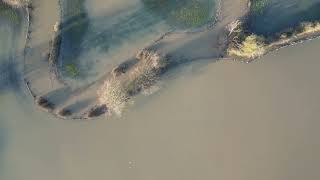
<point>72,70</point>
<point>251,47</point>
<point>311,27</point>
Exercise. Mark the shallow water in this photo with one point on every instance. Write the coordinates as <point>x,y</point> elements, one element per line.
<point>11,59</point>
<point>209,120</point>
<point>106,33</point>
<point>258,121</point>
<point>282,14</point>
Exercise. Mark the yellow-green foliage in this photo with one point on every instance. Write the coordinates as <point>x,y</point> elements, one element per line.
<point>251,47</point>
<point>310,27</point>
<point>72,70</point>
<point>188,13</point>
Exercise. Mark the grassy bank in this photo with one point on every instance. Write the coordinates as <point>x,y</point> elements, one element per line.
<point>245,44</point>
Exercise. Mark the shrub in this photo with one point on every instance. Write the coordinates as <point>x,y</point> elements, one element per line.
<point>72,70</point>
<point>252,47</point>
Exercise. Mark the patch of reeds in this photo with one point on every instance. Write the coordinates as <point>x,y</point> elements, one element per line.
<point>120,88</point>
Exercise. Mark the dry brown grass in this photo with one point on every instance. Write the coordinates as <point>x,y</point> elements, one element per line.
<point>251,47</point>
<point>118,90</point>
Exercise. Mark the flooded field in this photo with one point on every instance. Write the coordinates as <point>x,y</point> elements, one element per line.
<point>11,49</point>
<point>208,120</point>
<point>101,34</point>
<point>258,120</point>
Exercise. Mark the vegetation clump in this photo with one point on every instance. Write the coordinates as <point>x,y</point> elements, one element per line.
<point>193,15</point>
<point>118,90</point>
<point>310,27</point>
<point>72,70</point>
<point>258,6</point>
<point>247,46</point>
<point>252,47</point>
<point>185,13</point>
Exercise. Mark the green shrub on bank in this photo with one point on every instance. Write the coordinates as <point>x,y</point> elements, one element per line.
<point>252,47</point>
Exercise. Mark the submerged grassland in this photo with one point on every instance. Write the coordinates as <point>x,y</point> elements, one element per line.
<point>74,26</point>
<point>182,13</point>
<point>127,82</point>
<point>9,13</point>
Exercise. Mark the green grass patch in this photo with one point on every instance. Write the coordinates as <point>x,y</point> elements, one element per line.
<point>195,14</point>
<point>259,6</point>
<point>183,13</point>
<point>72,70</point>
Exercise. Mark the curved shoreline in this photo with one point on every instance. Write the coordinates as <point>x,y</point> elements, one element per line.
<point>141,72</point>
<point>49,106</point>
<point>251,46</point>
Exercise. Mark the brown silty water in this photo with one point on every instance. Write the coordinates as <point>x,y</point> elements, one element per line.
<point>258,121</point>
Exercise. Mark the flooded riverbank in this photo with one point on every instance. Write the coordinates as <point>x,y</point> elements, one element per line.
<point>99,37</point>
<point>208,118</point>
<point>206,122</point>
<point>277,15</point>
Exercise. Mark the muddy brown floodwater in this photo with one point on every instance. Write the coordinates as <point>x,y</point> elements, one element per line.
<point>225,120</point>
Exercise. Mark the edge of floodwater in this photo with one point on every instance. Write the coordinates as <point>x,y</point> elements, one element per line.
<point>54,46</point>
